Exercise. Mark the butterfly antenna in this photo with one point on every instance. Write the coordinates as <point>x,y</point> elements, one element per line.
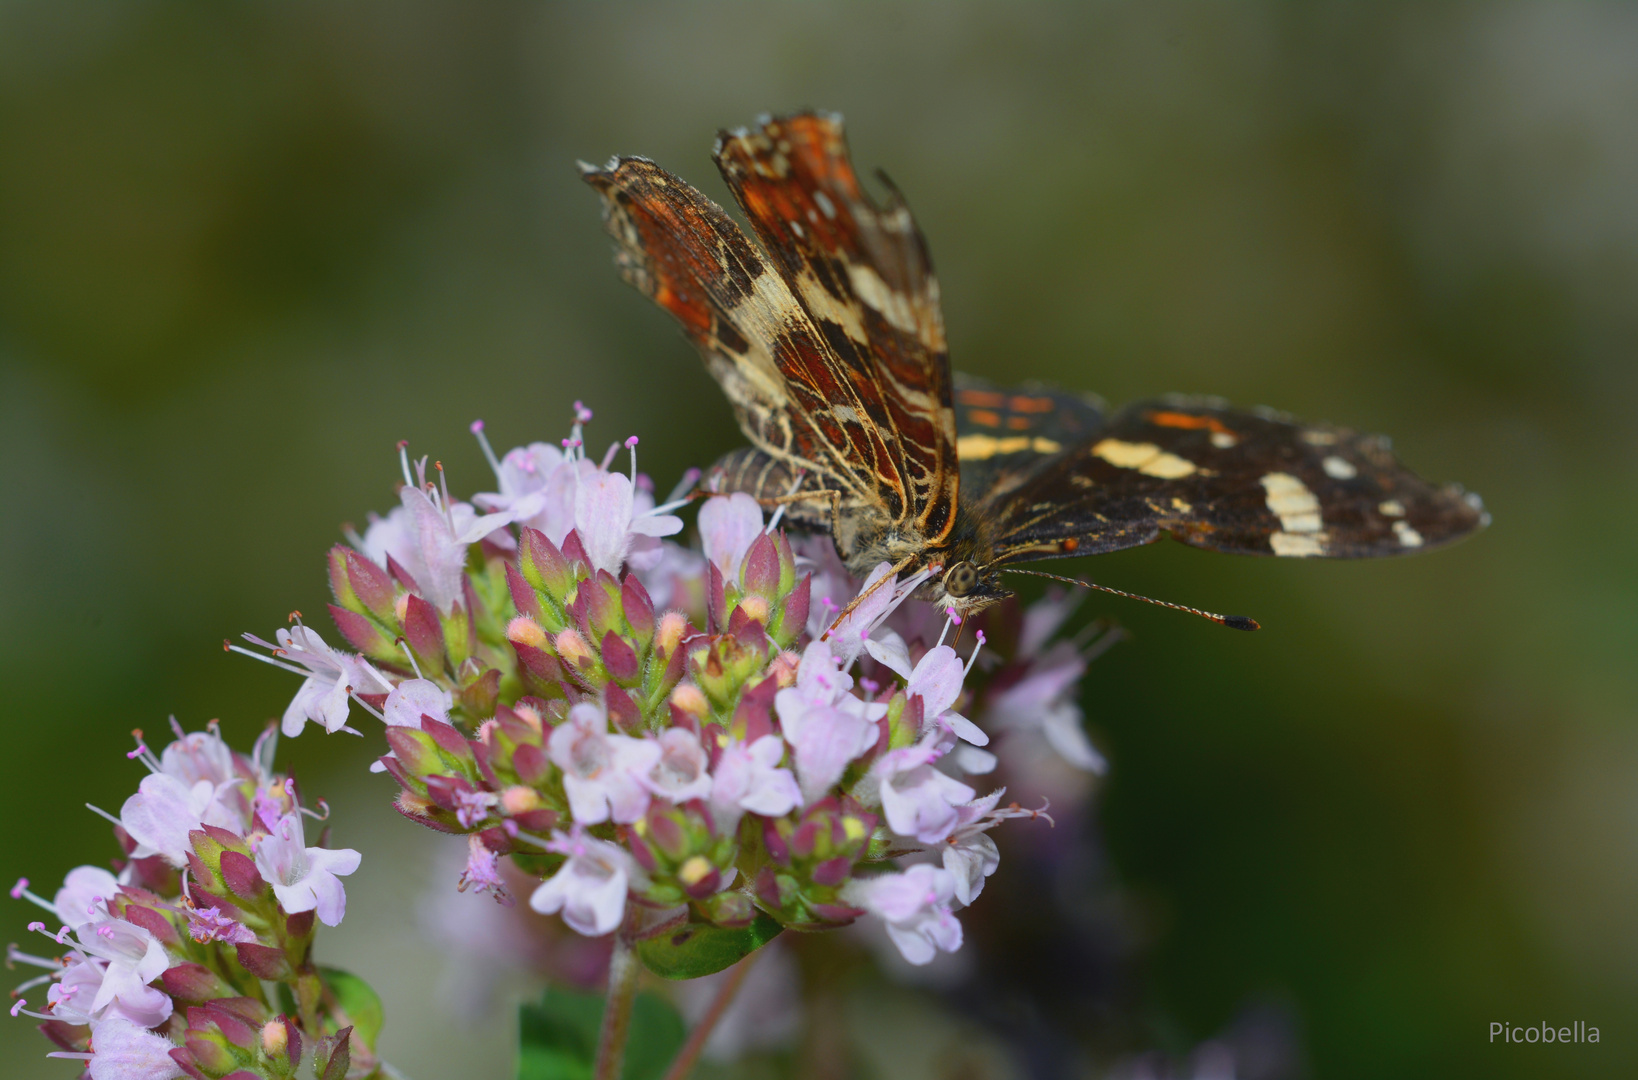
<point>1233,622</point>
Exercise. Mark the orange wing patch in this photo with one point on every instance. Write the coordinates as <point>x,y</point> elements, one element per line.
<point>1188,422</point>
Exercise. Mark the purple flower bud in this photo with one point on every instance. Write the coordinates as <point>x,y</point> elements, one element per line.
<point>263,961</point>
<point>194,984</point>
<point>543,566</point>
<point>753,716</point>
<point>153,922</point>
<point>449,740</point>
<point>531,764</point>
<point>638,609</point>
<point>478,696</point>
<point>623,711</point>
<point>699,878</point>
<point>778,850</point>
<point>362,633</point>
<point>716,603</point>
<point>540,667</point>
<point>787,563</point>
<point>397,570</point>
<point>832,872</point>
<point>239,874</point>
<point>621,660</point>
<point>424,633</point>
<point>793,614</point>
<point>333,1055</point>
<point>292,1040</point>
<point>415,750</point>
<point>806,838</point>
<point>769,889</point>
<point>603,610</point>
<point>206,1054</point>
<point>421,811</point>
<point>667,834</point>
<point>524,597</point>
<point>359,585</point>
<point>445,791</point>
<point>760,574</point>
<point>575,552</point>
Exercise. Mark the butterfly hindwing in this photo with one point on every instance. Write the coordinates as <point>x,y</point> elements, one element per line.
<point>1004,433</point>
<point>1249,482</point>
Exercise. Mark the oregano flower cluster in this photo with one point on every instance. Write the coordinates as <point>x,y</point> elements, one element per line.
<point>695,746</point>
<point>170,954</point>
<point>646,725</point>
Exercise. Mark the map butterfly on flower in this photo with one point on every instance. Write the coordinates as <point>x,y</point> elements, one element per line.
<point>826,334</point>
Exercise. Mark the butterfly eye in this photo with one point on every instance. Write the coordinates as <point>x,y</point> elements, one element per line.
<point>961,579</point>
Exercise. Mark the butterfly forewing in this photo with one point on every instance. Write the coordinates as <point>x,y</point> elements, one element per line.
<point>1249,482</point>
<point>862,273</point>
<point>826,338</point>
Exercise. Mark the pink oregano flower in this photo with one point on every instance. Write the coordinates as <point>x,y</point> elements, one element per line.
<point>825,724</point>
<point>304,878</point>
<point>123,1050</point>
<point>590,888</point>
<point>164,811</point>
<point>729,524</point>
<point>748,778</point>
<point>915,905</point>
<point>610,523</point>
<point>601,772</point>
<point>919,801</point>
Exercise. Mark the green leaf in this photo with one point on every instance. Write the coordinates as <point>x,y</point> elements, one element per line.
<point>702,949</point>
<point>557,1039</point>
<point>358,1003</point>
<point>657,1033</point>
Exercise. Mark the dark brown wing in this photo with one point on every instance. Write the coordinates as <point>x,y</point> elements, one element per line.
<point>827,339</point>
<point>1004,433</point>
<point>1229,480</point>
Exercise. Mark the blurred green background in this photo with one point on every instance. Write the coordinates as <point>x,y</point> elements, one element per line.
<point>246,248</point>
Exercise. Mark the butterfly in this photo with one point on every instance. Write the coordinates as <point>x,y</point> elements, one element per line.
<point>826,334</point>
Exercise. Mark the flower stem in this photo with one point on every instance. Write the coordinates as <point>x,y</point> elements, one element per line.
<point>623,971</point>
<point>690,1052</point>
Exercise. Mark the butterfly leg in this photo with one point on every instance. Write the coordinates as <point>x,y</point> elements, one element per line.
<point>887,579</point>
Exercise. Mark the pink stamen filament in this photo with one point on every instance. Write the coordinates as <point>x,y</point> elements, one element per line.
<point>973,659</point>
<point>488,451</point>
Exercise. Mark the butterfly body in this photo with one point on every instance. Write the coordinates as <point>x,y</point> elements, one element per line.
<point>826,334</point>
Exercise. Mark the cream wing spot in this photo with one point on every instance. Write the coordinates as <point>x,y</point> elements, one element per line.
<point>1315,437</point>
<point>1146,458</point>
<point>1391,508</point>
<point>1408,537</point>
<point>1339,468</point>
<point>1125,455</point>
<point>1300,546</point>
<point>894,306</point>
<point>1290,500</point>
<point>979,447</point>
<point>1223,440</point>
<point>1168,467</point>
